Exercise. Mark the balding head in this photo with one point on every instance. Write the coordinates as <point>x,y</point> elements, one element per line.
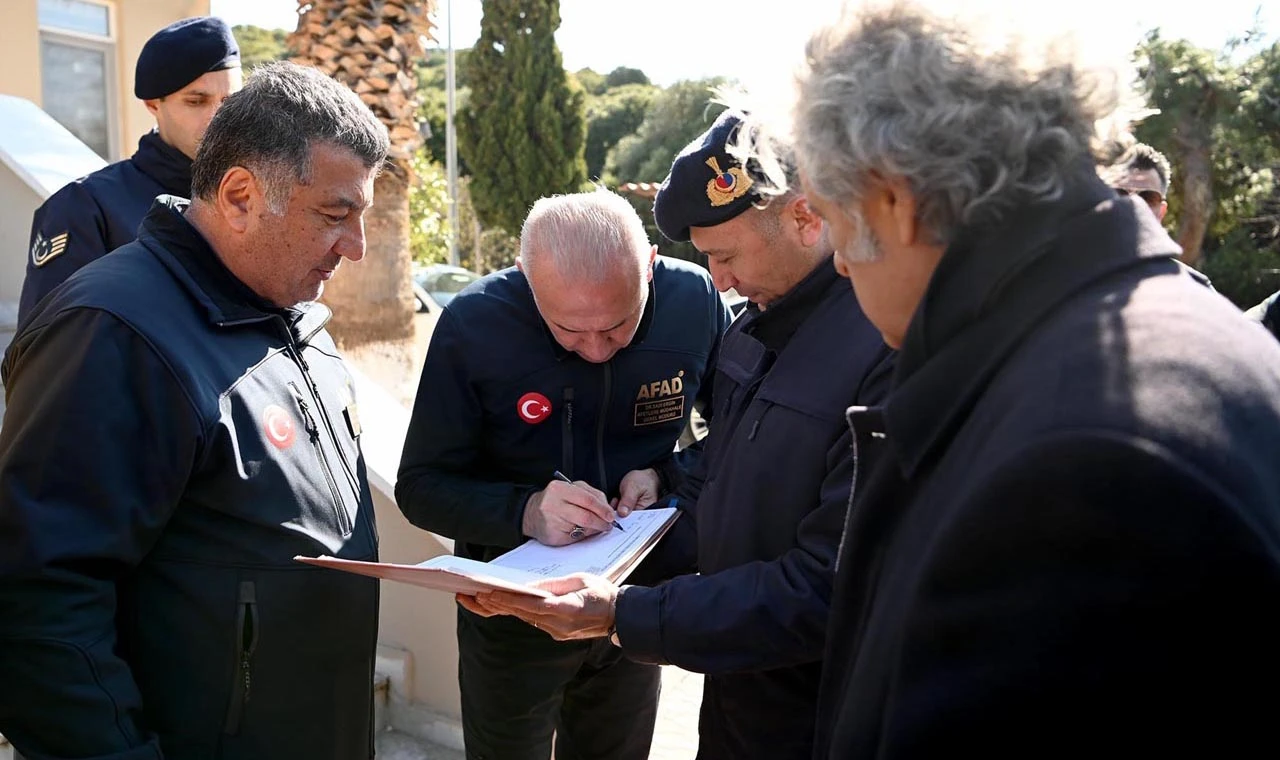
<point>588,262</point>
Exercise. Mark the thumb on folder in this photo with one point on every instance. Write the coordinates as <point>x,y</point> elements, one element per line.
<point>638,490</point>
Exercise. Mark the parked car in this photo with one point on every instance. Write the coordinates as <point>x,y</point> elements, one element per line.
<point>436,285</point>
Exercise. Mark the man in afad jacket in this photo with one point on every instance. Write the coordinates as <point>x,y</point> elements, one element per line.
<point>586,358</point>
<point>765,507</point>
<point>179,428</point>
<point>183,74</point>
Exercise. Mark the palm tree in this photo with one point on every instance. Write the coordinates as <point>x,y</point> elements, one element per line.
<point>372,46</point>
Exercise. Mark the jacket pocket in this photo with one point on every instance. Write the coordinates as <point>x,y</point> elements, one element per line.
<point>246,634</point>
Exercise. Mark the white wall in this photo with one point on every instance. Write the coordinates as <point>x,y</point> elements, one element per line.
<point>37,156</point>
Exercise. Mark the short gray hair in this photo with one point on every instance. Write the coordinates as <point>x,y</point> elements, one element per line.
<point>585,237</point>
<point>897,92</point>
<point>271,125</point>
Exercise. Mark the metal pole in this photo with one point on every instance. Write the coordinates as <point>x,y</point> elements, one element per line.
<point>451,138</point>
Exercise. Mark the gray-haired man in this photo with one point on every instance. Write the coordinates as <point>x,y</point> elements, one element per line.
<point>179,427</point>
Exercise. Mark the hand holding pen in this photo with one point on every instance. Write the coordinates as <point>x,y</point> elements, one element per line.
<point>562,513</point>
<point>578,531</point>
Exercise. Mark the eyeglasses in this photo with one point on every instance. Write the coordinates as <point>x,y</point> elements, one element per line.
<point>1152,198</point>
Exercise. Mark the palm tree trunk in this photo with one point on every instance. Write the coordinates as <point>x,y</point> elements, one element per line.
<point>372,300</point>
<point>372,46</point>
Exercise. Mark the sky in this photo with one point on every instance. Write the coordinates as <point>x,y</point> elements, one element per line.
<point>759,43</point>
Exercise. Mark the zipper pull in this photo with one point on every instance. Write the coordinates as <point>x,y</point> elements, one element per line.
<point>308,421</point>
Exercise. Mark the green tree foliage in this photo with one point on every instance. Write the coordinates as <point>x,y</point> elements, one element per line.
<point>429,231</point>
<point>682,250</point>
<point>676,116</point>
<point>258,45</point>
<point>522,129</point>
<point>1219,125</point>
<point>612,116</point>
<point>623,76</point>
<point>433,100</point>
<point>592,82</point>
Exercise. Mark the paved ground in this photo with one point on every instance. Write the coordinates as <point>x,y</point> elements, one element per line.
<point>676,736</point>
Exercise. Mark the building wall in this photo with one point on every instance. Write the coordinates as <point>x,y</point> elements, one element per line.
<point>133,22</point>
<point>136,21</point>
<point>20,51</point>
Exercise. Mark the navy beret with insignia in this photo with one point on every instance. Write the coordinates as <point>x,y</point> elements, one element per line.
<point>181,53</point>
<point>706,186</point>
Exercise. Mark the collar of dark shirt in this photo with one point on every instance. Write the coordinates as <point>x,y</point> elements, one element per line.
<point>774,326</point>
<point>164,163</point>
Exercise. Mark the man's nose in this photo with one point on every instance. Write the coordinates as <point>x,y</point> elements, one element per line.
<point>350,245</point>
<point>721,277</point>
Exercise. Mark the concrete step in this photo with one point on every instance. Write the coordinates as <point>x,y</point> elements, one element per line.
<point>394,745</point>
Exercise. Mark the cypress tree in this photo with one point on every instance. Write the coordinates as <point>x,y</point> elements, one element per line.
<point>522,130</point>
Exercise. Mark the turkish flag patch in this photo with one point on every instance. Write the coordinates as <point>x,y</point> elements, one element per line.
<point>278,425</point>
<point>533,408</point>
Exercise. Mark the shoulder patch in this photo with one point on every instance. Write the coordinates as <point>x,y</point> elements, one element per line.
<point>44,250</point>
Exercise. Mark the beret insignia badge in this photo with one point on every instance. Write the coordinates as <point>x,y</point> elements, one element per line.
<point>726,186</point>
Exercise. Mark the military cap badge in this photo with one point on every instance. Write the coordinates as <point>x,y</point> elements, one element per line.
<point>726,187</point>
<point>43,249</point>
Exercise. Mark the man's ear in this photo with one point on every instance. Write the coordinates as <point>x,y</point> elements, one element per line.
<point>520,266</point>
<point>891,206</point>
<point>807,222</point>
<point>239,197</point>
<point>653,256</point>
<point>153,105</point>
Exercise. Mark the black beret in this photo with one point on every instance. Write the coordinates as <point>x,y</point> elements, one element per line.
<point>181,53</point>
<point>706,186</point>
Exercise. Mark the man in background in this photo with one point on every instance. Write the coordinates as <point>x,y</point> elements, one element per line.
<point>183,74</point>
<point>1145,172</point>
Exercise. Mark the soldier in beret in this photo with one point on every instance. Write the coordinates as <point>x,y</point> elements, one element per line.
<point>767,500</point>
<point>183,74</point>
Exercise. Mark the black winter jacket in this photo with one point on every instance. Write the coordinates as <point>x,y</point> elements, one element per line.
<point>1070,544</point>
<point>98,213</point>
<point>501,405</point>
<point>170,445</point>
<point>765,507</point>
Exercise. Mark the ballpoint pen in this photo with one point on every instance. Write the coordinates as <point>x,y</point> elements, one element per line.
<point>561,476</point>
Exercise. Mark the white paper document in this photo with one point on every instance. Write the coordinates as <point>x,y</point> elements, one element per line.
<point>611,555</point>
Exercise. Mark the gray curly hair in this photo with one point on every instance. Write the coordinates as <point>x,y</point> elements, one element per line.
<point>897,92</point>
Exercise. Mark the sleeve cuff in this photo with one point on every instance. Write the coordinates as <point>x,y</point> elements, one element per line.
<point>638,623</point>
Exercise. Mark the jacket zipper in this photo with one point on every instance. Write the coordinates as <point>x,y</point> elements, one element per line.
<point>328,423</point>
<point>566,434</point>
<point>246,642</point>
<point>604,414</point>
<point>313,432</point>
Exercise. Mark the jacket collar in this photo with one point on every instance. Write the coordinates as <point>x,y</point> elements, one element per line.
<point>993,287</point>
<point>165,164</point>
<point>774,326</point>
<point>226,301</point>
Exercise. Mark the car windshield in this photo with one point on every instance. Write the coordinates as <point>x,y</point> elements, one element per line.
<point>451,282</point>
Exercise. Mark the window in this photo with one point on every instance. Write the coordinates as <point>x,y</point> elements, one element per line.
<point>77,53</point>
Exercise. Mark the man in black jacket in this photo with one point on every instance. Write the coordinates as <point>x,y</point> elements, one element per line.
<point>183,74</point>
<point>586,358</point>
<point>179,428</point>
<point>1069,544</point>
<point>765,506</point>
